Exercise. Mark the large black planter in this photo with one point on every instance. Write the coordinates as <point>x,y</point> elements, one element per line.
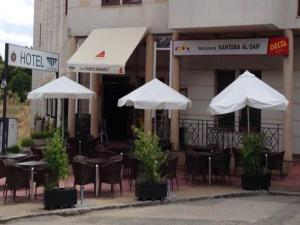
<point>151,191</point>
<point>256,182</point>
<point>60,198</point>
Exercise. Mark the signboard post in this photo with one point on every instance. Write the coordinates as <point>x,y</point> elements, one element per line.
<point>27,58</point>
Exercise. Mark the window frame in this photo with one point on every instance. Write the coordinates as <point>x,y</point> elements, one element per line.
<point>131,2</point>
<point>103,3</point>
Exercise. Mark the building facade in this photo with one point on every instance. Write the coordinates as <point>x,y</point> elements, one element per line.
<point>63,25</point>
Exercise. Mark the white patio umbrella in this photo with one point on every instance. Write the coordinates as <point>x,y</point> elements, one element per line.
<point>155,95</point>
<point>61,88</point>
<point>247,90</point>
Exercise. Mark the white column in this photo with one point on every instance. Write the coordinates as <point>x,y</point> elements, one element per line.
<point>288,87</point>
<point>95,104</point>
<point>174,129</point>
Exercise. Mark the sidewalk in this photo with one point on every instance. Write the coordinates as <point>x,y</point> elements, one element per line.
<point>24,207</point>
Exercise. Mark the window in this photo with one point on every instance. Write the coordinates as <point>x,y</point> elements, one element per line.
<point>254,114</point>
<point>110,2</point>
<point>118,2</point>
<point>223,79</point>
<point>132,1</point>
<point>66,8</point>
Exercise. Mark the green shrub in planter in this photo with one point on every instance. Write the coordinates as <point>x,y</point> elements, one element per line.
<point>56,156</point>
<point>253,176</point>
<point>14,149</point>
<point>26,142</point>
<point>150,184</point>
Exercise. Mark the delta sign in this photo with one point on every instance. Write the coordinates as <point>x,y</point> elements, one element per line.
<point>33,59</point>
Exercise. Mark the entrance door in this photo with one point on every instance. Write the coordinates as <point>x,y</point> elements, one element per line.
<point>118,119</point>
<point>223,79</point>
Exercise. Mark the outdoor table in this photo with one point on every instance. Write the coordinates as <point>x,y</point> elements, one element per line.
<point>96,162</point>
<point>12,156</point>
<point>203,149</point>
<point>209,155</point>
<point>32,165</point>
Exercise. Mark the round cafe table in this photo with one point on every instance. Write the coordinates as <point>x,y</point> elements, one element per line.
<point>12,156</point>
<point>96,162</point>
<point>31,165</point>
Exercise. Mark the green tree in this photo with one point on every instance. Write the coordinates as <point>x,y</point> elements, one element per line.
<point>20,84</point>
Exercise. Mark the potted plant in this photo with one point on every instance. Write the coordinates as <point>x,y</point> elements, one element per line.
<point>149,185</point>
<point>26,144</point>
<point>40,138</point>
<point>58,165</point>
<point>254,177</point>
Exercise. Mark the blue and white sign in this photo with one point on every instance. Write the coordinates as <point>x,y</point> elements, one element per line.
<point>33,59</point>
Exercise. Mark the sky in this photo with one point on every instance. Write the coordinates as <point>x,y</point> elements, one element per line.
<point>16,23</point>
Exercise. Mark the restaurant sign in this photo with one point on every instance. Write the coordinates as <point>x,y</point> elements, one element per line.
<point>275,46</point>
<point>33,59</point>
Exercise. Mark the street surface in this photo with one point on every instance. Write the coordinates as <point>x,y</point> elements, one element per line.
<point>257,210</point>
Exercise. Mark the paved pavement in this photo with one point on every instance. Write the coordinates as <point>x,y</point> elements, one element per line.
<point>255,210</point>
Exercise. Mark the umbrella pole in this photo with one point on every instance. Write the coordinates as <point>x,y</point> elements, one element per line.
<point>62,118</point>
<point>248,118</point>
<point>154,121</point>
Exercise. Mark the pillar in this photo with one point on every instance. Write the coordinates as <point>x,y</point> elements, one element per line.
<point>69,50</point>
<point>288,79</point>
<point>174,129</point>
<point>149,77</point>
<point>95,104</point>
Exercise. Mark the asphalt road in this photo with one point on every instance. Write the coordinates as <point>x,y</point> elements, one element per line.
<point>257,210</point>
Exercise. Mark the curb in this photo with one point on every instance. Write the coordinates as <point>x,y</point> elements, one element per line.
<point>284,193</point>
<point>80,211</point>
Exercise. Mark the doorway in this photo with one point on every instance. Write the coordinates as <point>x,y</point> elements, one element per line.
<point>118,120</point>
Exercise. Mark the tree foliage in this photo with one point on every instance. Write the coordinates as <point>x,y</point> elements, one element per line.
<point>19,80</point>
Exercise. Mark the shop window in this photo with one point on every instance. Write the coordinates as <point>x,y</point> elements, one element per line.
<point>254,114</point>
<point>110,2</point>
<point>223,79</point>
<point>132,1</point>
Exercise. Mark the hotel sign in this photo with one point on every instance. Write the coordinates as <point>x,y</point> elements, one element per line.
<point>275,46</point>
<point>29,58</point>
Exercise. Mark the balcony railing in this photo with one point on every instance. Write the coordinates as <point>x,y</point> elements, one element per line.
<point>195,132</point>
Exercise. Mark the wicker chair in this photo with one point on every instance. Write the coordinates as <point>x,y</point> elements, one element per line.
<point>38,152</point>
<point>110,173</point>
<point>169,171</point>
<point>221,166</point>
<point>84,173</point>
<point>196,166</point>
<point>41,176</point>
<point>237,160</point>
<point>275,162</point>
<point>2,169</point>
<point>16,178</point>
<point>135,169</point>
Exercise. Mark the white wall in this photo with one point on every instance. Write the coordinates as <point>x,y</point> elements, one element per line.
<point>254,14</point>
<point>84,16</point>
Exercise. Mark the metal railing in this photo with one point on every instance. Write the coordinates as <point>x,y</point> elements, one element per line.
<point>197,132</point>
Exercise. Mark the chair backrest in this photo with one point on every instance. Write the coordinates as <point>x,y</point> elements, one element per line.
<point>275,160</point>
<point>16,177</point>
<point>29,158</point>
<point>171,167</point>
<point>83,173</point>
<point>2,169</point>
<point>105,154</point>
<point>38,152</point>
<point>110,171</point>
